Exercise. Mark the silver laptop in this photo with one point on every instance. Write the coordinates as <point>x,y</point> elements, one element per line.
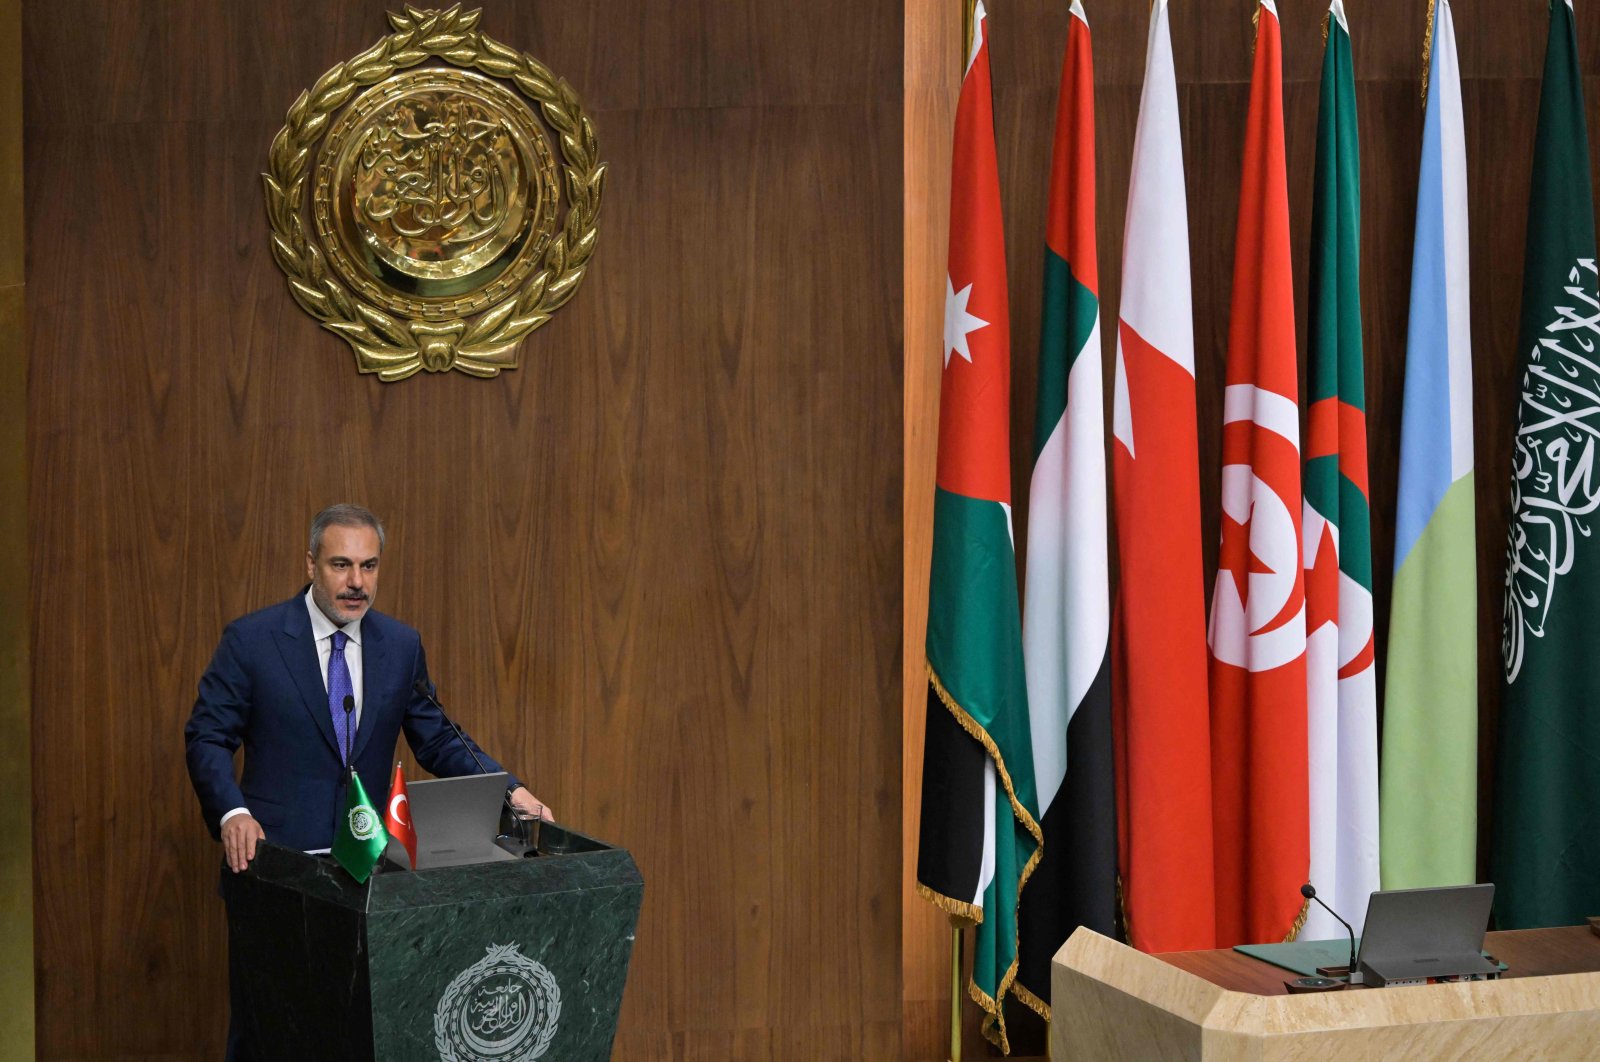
<point>1411,935</point>
<point>456,820</point>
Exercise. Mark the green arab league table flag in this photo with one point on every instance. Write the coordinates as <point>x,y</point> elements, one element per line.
<point>361,838</point>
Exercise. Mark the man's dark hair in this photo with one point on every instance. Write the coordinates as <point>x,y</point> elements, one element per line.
<point>343,515</point>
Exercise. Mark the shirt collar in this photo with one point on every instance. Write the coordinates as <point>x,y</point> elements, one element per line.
<point>322,627</point>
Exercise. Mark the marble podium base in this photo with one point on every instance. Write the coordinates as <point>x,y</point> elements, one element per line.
<point>512,960</point>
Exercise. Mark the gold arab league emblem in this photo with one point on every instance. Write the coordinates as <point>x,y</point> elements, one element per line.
<point>443,228</point>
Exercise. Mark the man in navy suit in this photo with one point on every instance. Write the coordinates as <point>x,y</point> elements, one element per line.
<point>305,683</point>
<point>306,686</point>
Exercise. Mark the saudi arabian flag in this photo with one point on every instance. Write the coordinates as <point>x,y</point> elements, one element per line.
<point>1546,856</point>
<point>361,838</point>
<point>980,838</point>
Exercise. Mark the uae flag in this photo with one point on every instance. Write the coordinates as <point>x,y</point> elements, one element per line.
<point>1547,803</point>
<point>1066,623</point>
<point>1163,746</point>
<point>1429,796</point>
<point>980,838</point>
<point>1258,621</point>
<point>1341,692</point>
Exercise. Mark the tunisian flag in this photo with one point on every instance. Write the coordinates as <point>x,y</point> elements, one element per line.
<point>397,819</point>
<point>1258,621</point>
<point>1163,750</point>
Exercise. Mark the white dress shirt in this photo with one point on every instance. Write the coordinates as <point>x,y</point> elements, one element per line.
<point>322,629</point>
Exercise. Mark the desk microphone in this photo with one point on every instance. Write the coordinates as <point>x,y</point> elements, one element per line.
<point>349,730</point>
<point>1310,893</point>
<point>424,689</point>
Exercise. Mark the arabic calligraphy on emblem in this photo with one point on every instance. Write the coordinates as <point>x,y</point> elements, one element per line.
<point>1554,487</point>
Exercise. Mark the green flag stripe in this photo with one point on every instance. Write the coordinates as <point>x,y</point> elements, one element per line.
<point>1070,313</point>
<point>1429,810</point>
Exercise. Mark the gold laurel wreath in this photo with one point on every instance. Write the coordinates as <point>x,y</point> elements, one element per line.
<point>395,348</point>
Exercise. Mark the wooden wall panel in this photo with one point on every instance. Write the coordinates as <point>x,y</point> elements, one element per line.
<point>657,568</point>
<point>16,829</point>
<point>1501,46</point>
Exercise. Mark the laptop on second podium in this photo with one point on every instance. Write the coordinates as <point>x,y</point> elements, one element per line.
<point>456,820</point>
<point>1411,935</point>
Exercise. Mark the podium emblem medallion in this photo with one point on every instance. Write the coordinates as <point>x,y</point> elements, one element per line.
<point>503,1008</point>
<point>363,824</point>
<point>417,203</point>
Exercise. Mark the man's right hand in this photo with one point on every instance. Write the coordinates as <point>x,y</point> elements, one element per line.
<point>239,837</point>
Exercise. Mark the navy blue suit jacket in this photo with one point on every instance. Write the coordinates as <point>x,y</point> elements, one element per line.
<point>264,690</point>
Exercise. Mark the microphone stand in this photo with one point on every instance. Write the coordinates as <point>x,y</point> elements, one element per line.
<point>422,688</point>
<point>1309,892</point>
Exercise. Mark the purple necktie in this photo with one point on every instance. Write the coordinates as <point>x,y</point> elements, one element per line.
<point>340,687</point>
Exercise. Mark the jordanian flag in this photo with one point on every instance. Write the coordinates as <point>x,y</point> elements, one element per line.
<point>980,836</point>
<point>1341,692</point>
<point>359,841</point>
<point>1258,621</point>
<point>1163,757</point>
<point>1547,800</point>
<point>1067,623</point>
<point>1430,707</point>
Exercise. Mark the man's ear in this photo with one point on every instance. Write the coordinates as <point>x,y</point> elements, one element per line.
<point>311,566</point>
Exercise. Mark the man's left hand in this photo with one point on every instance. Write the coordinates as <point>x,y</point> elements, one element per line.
<point>523,800</point>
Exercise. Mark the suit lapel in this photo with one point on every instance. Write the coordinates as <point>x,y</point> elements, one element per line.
<point>298,648</point>
<point>374,680</point>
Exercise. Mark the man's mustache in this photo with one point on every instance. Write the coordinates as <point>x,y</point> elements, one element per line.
<point>354,595</point>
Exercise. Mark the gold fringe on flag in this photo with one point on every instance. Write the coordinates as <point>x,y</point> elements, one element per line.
<point>1427,53</point>
<point>993,1027</point>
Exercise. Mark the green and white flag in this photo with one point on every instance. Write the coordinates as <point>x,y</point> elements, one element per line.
<point>360,840</point>
<point>1546,855</point>
<point>1341,688</point>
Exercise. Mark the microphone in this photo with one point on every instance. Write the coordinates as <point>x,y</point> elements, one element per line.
<point>424,689</point>
<point>349,730</point>
<point>1310,893</point>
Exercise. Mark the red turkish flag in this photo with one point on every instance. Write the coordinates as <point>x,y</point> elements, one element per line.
<point>397,819</point>
<point>1260,786</point>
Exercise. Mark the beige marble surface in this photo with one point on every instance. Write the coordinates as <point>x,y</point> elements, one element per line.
<point>1112,1002</point>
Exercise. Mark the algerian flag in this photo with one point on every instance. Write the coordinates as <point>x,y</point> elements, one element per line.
<point>361,838</point>
<point>1342,692</point>
<point>1547,803</point>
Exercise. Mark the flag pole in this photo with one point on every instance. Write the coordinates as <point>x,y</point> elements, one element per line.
<point>955,993</point>
<point>968,13</point>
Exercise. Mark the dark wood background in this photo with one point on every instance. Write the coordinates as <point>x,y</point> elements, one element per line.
<point>656,568</point>
<point>1501,45</point>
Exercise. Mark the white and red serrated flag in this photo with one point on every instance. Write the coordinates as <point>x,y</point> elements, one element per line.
<point>1159,709</point>
<point>1260,788</point>
<point>397,817</point>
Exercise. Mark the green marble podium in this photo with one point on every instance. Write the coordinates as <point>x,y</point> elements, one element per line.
<point>506,961</point>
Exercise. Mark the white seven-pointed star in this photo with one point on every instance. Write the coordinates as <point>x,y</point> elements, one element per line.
<point>958,323</point>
